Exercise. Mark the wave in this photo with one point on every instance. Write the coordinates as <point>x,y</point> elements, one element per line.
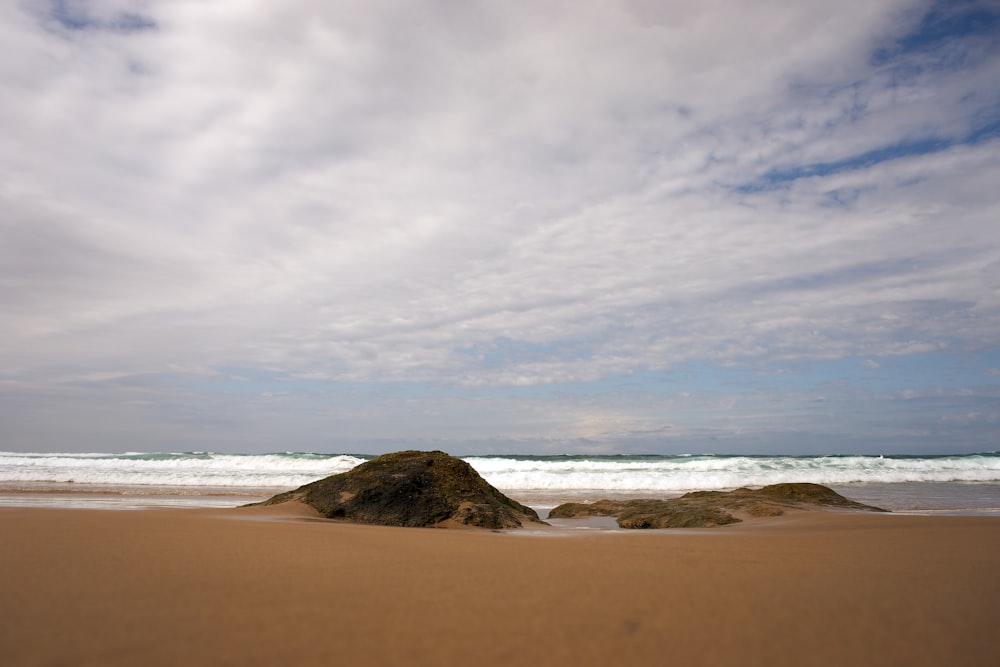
<point>691,473</point>
<point>665,474</point>
<point>189,469</point>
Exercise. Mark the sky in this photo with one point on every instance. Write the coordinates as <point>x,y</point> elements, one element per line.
<point>596,226</point>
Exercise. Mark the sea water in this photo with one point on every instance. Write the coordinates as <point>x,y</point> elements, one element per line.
<point>968,483</point>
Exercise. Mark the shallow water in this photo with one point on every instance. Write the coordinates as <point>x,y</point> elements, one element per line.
<point>928,497</point>
<point>120,501</point>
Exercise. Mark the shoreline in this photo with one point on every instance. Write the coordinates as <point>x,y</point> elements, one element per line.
<point>918,499</point>
<point>256,586</point>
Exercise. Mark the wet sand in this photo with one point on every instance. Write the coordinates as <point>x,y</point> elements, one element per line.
<point>255,587</point>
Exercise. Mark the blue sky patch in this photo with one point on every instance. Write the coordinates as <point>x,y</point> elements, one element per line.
<point>945,21</point>
<point>76,17</point>
<point>780,176</point>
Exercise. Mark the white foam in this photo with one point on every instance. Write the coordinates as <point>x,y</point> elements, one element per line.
<point>702,473</point>
<point>181,470</point>
<point>539,475</point>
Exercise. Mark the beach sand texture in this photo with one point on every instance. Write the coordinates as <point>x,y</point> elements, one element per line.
<point>260,586</point>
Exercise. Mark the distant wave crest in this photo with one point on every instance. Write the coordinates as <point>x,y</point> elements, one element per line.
<point>665,474</point>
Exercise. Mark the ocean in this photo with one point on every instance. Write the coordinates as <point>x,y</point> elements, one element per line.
<point>955,484</point>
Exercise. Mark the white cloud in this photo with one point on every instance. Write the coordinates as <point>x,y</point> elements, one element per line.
<point>369,191</point>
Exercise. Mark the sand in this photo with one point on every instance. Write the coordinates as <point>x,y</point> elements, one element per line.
<point>238,587</point>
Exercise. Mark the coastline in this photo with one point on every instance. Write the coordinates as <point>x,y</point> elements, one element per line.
<point>259,585</point>
<point>919,498</point>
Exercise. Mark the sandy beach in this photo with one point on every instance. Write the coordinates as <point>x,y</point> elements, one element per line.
<point>255,587</point>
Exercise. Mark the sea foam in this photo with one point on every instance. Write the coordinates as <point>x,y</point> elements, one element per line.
<point>196,469</point>
<point>624,474</point>
<point>690,473</point>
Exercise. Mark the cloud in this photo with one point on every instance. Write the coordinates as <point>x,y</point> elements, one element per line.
<point>493,195</point>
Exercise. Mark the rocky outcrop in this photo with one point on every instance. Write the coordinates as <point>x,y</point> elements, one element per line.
<point>711,508</point>
<point>412,489</point>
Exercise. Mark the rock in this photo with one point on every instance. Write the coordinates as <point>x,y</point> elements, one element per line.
<point>412,488</point>
<point>668,514</point>
<point>711,508</point>
<point>675,513</point>
<point>596,508</point>
<point>813,494</point>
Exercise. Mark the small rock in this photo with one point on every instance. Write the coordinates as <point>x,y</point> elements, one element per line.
<point>711,508</point>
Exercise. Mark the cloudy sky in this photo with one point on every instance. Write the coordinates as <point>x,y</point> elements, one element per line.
<point>509,227</point>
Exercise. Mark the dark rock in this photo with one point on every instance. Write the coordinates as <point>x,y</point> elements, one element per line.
<point>813,494</point>
<point>711,508</point>
<point>597,508</point>
<point>412,489</point>
<point>668,514</point>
